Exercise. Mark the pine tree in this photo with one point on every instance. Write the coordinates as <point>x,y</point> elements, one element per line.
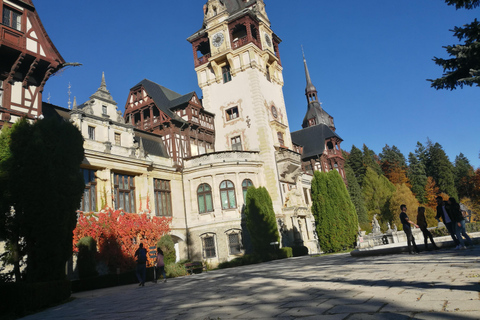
<point>441,170</point>
<point>417,177</point>
<point>393,165</point>
<point>464,66</point>
<point>335,216</point>
<point>260,220</point>
<point>370,159</point>
<point>356,196</point>
<point>355,161</point>
<point>464,175</point>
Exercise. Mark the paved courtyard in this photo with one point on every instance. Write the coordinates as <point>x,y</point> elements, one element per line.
<point>443,284</point>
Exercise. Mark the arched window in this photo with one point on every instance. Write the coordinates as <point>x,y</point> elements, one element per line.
<point>245,184</point>
<point>227,195</point>
<point>204,196</point>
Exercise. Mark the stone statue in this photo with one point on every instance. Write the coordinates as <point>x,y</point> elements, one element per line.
<point>394,227</point>
<point>375,224</point>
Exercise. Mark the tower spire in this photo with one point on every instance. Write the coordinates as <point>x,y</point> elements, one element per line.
<point>310,90</point>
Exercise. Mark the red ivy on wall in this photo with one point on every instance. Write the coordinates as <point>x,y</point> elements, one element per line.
<point>118,235</point>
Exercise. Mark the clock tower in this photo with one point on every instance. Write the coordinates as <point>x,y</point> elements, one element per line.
<point>239,70</point>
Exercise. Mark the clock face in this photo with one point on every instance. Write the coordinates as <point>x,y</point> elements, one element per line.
<point>268,40</point>
<point>217,39</point>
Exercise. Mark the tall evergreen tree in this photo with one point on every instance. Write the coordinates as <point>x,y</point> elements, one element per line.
<point>356,196</point>
<point>393,165</point>
<point>46,187</point>
<point>355,161</point>
<point>335,216</point>
<point>370,159</point>
<point>417,177</point>
<point>464,175</point>
<point>463,68</point>
<point>260,219</point>
<point>441,170</point>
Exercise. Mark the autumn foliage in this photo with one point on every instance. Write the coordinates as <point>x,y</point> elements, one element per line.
<point>118,234</point>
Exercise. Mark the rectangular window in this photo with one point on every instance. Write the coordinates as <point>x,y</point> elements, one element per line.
<point>163,200</point>
<point>89,199</point>
<point>234,243</point>
<point>104,110</point>
<point>226,74</point>
<point>236,143</point>
<point>209,247</point>
<point>12,18</point>
<point>91,133</point>
<point>118,140</point>
<point>232,113</point>
<point>124,192</point>
<point>280,139</point>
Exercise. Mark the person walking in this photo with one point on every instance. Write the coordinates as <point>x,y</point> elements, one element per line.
<point>422,223</point>
<point>407,229</point>
<point>443,213</point>
<point>459,224</point>
<point>160,265</point>
<point>141,255</point>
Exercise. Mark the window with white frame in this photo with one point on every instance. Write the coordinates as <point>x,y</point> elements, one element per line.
<point>227,195</point>
<point>204,197</point>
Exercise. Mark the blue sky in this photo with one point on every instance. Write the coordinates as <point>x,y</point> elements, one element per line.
<point>369,61</point>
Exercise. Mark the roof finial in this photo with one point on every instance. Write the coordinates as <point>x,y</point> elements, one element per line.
<point>69,93</point>
<point>103,85</point>
<point>310,87</point>
<point>74,103</point>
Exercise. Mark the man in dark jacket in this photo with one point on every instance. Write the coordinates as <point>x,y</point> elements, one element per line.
<point>448,221</point>
<point>406,222</point>
<point>141,255</point>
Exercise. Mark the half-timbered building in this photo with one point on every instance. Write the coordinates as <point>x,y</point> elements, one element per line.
<point>28,59</point>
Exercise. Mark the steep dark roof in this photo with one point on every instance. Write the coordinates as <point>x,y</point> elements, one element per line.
<point>152,143</point>
<point>313,139</point>
<point>164,98</point>
<point>49,110</point>
<point>316,111</point>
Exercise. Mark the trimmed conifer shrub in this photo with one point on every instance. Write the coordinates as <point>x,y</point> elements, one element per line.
<point>260,219</point>
<point>168,248</point>
<point>87,248</point>
<point>335,216</point>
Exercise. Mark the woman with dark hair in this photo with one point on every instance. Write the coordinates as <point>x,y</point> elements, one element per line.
<point>459,223</point>
<point>422,223</point>
<point>160,266</point>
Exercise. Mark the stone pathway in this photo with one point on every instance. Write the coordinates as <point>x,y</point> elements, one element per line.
<point>443,284</point>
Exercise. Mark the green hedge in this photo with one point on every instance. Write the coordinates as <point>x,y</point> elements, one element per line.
<point>20,299</point>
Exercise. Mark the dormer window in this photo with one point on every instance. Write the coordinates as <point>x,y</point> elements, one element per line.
<point>12,18</point>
